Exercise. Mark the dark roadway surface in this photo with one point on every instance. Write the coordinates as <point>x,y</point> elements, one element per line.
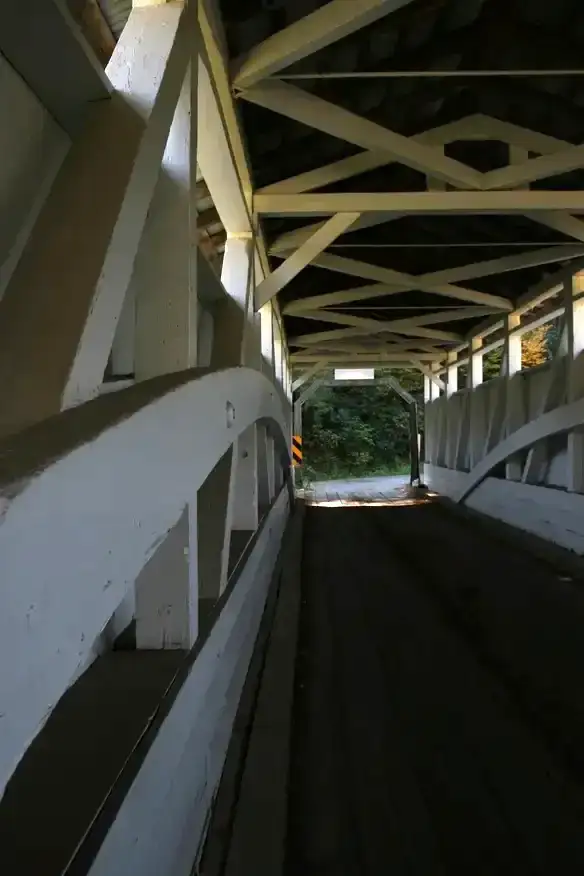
<point>439,707</point>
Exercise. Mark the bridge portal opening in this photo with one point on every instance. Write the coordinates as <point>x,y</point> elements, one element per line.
<point>356,425</point>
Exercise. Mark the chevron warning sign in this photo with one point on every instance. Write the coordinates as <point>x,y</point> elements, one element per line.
<point>297,449</point>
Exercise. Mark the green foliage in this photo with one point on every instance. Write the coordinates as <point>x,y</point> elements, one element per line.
<point>492,363</point>
<point>358,431</point>
<point>534,347</point>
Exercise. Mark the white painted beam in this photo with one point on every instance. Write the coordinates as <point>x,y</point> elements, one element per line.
<point>291,240</point>
<point>429,375</point>
<point>451,384</point>
<point>309,391</point>
<point>334,120</point>
<point>515,400</point>
<point>213,54</point>
<point>534,169</point>
<point>376,326</point>
<point>361,293</point>
<point>421,203</point>
<point>307,375</point>
<point>370,359</point>
<point>563,222</point>
<point>505,264</point>
<point>303,256</point>
<point>368,160</point>
<point>222,176</point>
<point>406,282</point>
<point>58,316</point>
<point>335,334</point>
<point>62,69</point>
<point>467,272</point>
<point>517,135</point>
<point>326,25</point>
<point>165,274</point>
<point>574,329</point>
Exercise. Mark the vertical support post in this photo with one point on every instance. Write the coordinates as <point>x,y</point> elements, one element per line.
<point>574,327</point>
<point>451,374</point>
<point>475,379</point>
<point>267,335</point>
<point>228,500</point>
<point>167,613</point>
<point>238,278</point>
<point>165,276</point>
<point>475,365</point>
<point>432,421</point>
<point>515,411</point>
<point>427,389</point>
<point>497,425</point>
<point>450,423</point>
<point>164,284</point>
<point>434,388</point>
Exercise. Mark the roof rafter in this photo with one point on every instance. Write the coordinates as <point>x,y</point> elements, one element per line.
<point>406,282</point>
<point>326,25</point>
<point>368,327</point>
<point>300,105</point>
<point>370,160</point>
<point>377,326</point>
<point>422,203</point>
<point>478,126</point>
<point>302,257</point>
<point>547,255</point>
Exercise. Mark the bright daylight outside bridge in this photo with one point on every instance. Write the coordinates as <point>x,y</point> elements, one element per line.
<point>249,248</point>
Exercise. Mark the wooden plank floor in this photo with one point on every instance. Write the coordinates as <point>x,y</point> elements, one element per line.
<point>438,721</point>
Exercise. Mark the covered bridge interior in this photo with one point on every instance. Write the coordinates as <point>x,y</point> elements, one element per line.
<point>205,208</point>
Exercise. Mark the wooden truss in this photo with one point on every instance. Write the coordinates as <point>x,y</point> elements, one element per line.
<point>453,188</point>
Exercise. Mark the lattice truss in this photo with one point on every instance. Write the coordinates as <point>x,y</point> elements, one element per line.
<point>452,188</point>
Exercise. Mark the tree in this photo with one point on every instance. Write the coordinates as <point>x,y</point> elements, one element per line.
<point>534,348</point>
<point>358,431</point>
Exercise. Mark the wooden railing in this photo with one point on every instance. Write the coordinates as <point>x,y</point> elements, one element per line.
<point>85,498</point>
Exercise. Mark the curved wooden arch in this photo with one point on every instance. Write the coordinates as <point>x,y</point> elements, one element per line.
<point>85,498</point>
<point>556,422</point>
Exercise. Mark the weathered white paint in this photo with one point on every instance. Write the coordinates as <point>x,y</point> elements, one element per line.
<point>165,272</point>
<point>355,165</point>
<point>165,283</point>
<point>87,522</point>
<point>123,357</point>
<point>205,339</point>
<point>478,421</point>
<point>303,256</point>
<point>307,108</point>
<point>73,274</point>
<point>574,335</point>
<point>238,278</point>
<point>161,823</point>
<point>166,595</point>
<point>32,147</point>
<point>539,201</point>
<point>216,159</point>
<point>554,515</point>
<point>267,333</point>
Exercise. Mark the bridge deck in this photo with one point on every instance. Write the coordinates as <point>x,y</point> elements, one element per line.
<point>437,725</point>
